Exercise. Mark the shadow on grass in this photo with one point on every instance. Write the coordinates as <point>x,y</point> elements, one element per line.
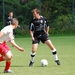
<point>21,66</point>
<point>14,66</point>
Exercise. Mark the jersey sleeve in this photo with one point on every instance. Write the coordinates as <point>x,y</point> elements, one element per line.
<point>46,21</point>
<point>8,33</point>
<point>8,22</point>
<point>5,30</point>
<point>31,27</point>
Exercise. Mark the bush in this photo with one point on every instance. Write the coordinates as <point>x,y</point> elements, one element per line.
<point>62,25</point>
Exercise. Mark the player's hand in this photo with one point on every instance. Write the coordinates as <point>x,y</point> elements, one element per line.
<point>47,33</point>
<point>21,49</point>
<point>33,39</point>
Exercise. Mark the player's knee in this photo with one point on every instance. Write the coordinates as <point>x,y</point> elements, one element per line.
<point>9,57</point>
<point>33,50</point>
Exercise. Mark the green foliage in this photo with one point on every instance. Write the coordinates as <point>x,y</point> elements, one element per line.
<point>58,12</point>
<point>22,31</point>
<point>1,25</point>
<point>62,25</point>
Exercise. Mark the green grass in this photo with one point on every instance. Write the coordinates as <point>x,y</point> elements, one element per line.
<point>65,46</point>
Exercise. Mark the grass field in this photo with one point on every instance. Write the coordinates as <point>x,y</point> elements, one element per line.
<point>65,46</point>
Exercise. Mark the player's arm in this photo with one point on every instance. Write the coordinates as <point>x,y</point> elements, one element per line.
<point>47,26</point>
<point>31,29</point>
<point>31,34</point>
<point>15,45</point>
<point>47,30</point>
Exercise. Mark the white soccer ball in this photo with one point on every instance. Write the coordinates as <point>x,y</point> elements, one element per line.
<point>44,62</point>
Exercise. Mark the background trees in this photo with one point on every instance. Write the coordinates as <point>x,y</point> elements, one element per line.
<point>58,12</point>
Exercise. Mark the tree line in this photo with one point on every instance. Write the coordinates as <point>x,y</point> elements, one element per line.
<point>58,12</point>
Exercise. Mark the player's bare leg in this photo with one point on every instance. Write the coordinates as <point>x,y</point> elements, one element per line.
<point>7,57</point>
<point>54,52</point>
<point>34,48</point>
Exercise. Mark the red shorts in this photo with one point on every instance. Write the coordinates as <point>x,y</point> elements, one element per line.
<point>4,48</point>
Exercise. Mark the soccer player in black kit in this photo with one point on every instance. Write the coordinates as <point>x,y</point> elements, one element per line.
<point>9,19</point>
<point>39,32</point>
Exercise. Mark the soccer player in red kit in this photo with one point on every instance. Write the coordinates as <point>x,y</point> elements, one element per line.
<point>6,34</point>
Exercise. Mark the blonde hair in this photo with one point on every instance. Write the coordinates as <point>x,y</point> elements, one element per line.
<point>14,21</point>
<point>36,10</point>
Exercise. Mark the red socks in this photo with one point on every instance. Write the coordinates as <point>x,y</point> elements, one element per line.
<point>7,67</point>
<point>7,63</point>
<point>1,58</point>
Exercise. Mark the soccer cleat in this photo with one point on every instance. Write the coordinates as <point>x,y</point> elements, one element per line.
<point>31,63</point>
<point>8,71</point>
<point>58,62</point>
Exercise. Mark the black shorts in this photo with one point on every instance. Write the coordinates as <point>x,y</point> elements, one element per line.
<point>42,37</point>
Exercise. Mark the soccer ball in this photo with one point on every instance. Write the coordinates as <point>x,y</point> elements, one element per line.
<point>44,62</point>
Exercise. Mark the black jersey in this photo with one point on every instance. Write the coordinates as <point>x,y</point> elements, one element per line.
<point>8,22</point>
<point>38,25</point>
